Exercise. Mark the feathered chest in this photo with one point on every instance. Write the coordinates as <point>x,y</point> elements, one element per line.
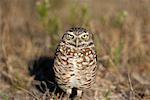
<point>80,57</point>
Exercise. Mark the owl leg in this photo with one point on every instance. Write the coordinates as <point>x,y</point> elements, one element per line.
<point>69,91</point>
<point>79,93</point>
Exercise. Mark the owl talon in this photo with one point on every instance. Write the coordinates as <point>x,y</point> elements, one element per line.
<point>79,93</point>
<point>69,91</point>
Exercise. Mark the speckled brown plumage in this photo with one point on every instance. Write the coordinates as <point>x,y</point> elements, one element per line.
<point>75,61</point>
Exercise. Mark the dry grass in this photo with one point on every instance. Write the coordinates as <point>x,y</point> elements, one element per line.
<point>28,41</point>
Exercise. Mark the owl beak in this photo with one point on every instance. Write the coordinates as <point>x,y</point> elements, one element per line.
<point>77,42</point>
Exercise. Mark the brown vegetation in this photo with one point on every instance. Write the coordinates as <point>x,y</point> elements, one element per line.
<point>30,31</point>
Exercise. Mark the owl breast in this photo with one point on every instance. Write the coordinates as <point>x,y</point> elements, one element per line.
<point>77,65</point>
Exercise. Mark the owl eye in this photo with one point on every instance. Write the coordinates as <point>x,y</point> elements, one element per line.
<point>69,36</point>
<point>85,37</point>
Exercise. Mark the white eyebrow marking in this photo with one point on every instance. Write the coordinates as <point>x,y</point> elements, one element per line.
<point>70,33</point>
<point>83,34</point>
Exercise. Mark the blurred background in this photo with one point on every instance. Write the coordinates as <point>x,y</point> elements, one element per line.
<point>30,29</point>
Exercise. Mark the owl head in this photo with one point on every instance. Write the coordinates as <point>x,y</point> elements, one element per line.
<point>77,37</point>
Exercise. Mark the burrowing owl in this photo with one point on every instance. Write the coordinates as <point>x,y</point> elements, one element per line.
<point>75,61</point>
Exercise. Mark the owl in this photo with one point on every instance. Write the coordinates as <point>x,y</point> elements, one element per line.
<point>75,61</point>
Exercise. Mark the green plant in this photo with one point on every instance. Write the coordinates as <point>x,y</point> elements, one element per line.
<point>118,52</point>
<point>3,97</point>
<point>50,21</point>
<point>79,15</point>
<point>107,94</point>
<point>42,8</point>
<point>104,20</point>
<point>120,18</point>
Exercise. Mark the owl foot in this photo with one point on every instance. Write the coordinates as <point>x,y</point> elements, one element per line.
<point>79,93</point>
<point>69,91</point>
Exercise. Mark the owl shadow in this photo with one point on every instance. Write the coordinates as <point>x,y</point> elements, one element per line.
<point>42,70</point>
